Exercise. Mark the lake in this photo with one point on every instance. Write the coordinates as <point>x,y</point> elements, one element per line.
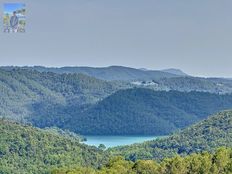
<point>112,141</point>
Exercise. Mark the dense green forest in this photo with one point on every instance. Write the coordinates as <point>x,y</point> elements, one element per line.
<point>27,150</point>
<point>207,135</point>
<point>24,149</point>
<point>144,111</point>
<point>87,105</point>
<point>219,162</point>
<point>27,94</point>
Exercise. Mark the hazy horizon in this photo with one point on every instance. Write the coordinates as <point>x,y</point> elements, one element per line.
<point>194,36</point>
<point>139,68</point>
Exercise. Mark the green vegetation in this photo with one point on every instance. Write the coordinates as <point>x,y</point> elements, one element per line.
<point>144,111</point>
<point>87,105</point>
<point>195,150</point>
<point>207,135</point>
<point>83,104</point>
<point>46,99</point>
<point>24,149</point>
<point>212,85</point>
<point>203,163</point>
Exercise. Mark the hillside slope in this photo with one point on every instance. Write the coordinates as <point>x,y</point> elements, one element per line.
<point>87,105</point>
<point>207,135</point>
<point>144,111</point>
<point>24,149</point>
<point>25,93</point>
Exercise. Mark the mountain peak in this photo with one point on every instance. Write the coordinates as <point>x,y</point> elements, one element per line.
<point>175,71</point>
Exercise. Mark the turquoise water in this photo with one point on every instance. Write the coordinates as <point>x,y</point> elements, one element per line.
<point>112,141</point>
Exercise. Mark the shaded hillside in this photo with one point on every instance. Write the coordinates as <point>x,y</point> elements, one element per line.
<point>78,102</point>
<point>24,149</point>
<point>144,111</point>
<point>206,135</point>
<point>22,92</point>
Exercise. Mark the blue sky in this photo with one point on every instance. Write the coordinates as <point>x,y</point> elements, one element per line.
<point>11,7</point>
<point>193,35</point>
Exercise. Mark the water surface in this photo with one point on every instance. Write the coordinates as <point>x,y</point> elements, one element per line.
<point>112,141</point>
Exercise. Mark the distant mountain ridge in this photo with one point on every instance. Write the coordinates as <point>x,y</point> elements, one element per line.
<point>107,73</point>
<point>157,80</point>
<point>175,71</point>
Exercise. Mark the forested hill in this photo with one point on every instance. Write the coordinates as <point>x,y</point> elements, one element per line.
<point>87,105</point>
<point>143,111</point>
<point>24,149</point>
<point>22,91</point>
<point>206,135</point>
<point>27,150</point>
<point>169,79</point>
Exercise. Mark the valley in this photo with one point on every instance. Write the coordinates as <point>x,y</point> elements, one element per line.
<point>203,146</point>
<point>131,125</point>
<point>116,87</point>
<point>91,106</point>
